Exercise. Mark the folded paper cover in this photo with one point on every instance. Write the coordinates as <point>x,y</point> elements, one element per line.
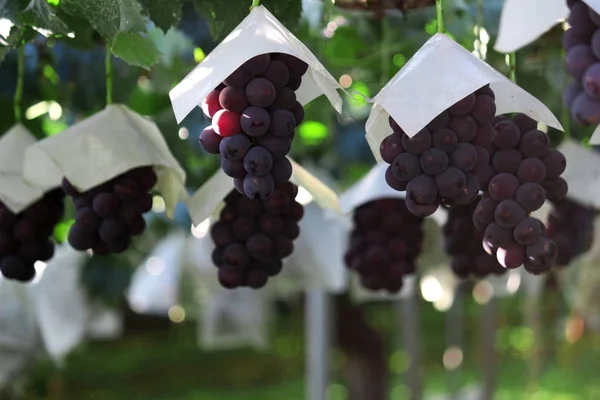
<point>524,21</point>
<point>16,193</point>
<point>207,199</point>
<point>103,146</point>
<point>437,76</point>
<point>374,187</point>
<point>260,32</point>
<point>582,173</point>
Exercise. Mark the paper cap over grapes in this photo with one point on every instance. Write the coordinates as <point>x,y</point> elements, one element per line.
<point>15,192</point>
<point>104,146</point>
<point>259,33</point>
<point>441,73</point>
<point>581,173</point>
<point>209,197</point>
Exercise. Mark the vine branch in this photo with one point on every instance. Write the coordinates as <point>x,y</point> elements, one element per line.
<point>439,10</point>
<point>19,88</point>
<point>109,74</point>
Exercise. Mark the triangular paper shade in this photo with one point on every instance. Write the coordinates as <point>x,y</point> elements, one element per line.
<point>208,198</point>
<point>106,145</point>
<point>15,193</point>
<point>524,21</point>
<point>439,74</point>
<point>374,187</point>
<point>582,173</point>
<point>260,32</point>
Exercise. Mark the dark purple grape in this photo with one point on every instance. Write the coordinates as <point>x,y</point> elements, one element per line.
<point>578,59</point>
<point>450,182</point>
<point>534,144</point>
<point>282,123</point>
<point>298,111</point>
<point>295,66</point>
<point>524,122</point>
<point>209,140</point>
<point>579,19</point>
<point>543,252</point>
<point>418,143</point>
<point>277,73</point>
<point>439,122</point>
<point>444,139</point>
<point>257,64</point>
<point>394,182</point>
<point>258,186</point>
<point>484,109</point>
<point>530,196</point>
<point>390,148</point>
<point>259,246</point>
<point>278,146</point>
<point>420,210</point>
<point>528,231</point>
<point>285,99</point>
<point>255,121</point>
<point>422,190</point>
<point>585,110</point>
<point>571,92</point>
<point>531,170</point>
<point>236,256</point>
<point>281,171</point>
<point>555,188</point>
<point>507,160</point>
<point>235,147</point>
<point>238,78</point>
<point>258,161</point>
<point>464,157</point>
<point>555,163</point>
<point>234,169</point>
<point>463,106</point>
<point>233,99</point>
<point>105,204</point>
<point>495,236</point>
<point>406,166</point>
<point>464,127</point>
<point>591,80</point>
<point>433,161</point>
<point>509,214</point>
<point>503,187</point>
<point>260,92</point>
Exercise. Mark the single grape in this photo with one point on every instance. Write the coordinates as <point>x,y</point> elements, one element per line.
<point>259,246</point>
<point>233,99</point>
<point>105,204</point>
<point>210,104</point>
<point>277,73</point>
<point>507,134</point>
<point>394,182</point>
<point>298,111</point>
<point>291,229</point>
<point>260,92</point>
<point>512,256</point>
<point>509,213</point>
<point>464,127</point>
<point>236,256</point>
<point>579,19</point>
<point>249,207</point>
<point>234,169</point>
<point>422,190</point>
<point>406,166</point>
<point>255,121</point>
<point>418,143</point>
<point>571,92</point>
<point>87,219</point>
<point>390,148</point>
<point>258,186</point>
<point>484,212</point>
<point>243,228</point>
<point>235,147</point>
<point>278,146</point>
<point>294,83</point>
<point>112,230</point>
<point>439,122</point>
<point>555,163</point>
<point>283,247</point>
<point>420,210</point>
<point>484,136</point>
<point>257,64</point>
<point>487,90</point>
<point>484,109</point>
<point>571,39</point>
<point>282,123</point>
<point>295,66</point>
<point>281,171</point>
<point>285,99</point>
<point>434,161</point>
<point>238,78</point>
<point>230,278</point>
<point>555,188</point>
<point>530,196</point>
<point>578,59</point>
<point>585,110</point>
<point>503,186</point>
<point>524,122</point>
<point>226,123</point>
<point>531,170</point>
<point>258,161</point>
<point>256,278</point>
<point>591,80</point>
<point>450,182</point>
<point>495,236</point>
<point>444,139</point>
<point>534,144</point>
<point>528,231</point>
<point>507,161</point>
<point>543,252</point>
<point>209,140</point>
<point>463,106</point>
<point>464,157</point>
<point>468,194</point>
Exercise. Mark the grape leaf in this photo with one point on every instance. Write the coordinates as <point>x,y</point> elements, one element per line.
<point>164,13</point>
<point>16,36</point>
<point>135,49</point>
<point>44,17</point>
<point>108,17</point>
<point>224,16</point>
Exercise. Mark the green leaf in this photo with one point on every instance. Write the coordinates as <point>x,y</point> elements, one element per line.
<point>44,17</point>
<point>135,49</point>
<point>224,16</point>
<point>7,44</point>
<point>108,17</point>
<point>164,13</point>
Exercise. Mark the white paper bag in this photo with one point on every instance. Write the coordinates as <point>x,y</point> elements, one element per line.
<point>582,173</point>
<point>15,193</point>
<point>235,318</point>
<point>524,21</point>
<point>104,146</point>
<point>260,32</point>
<point>318,258</point>
<point>60,302</point>
<point>437,76</point>
<point>104,323</point>
<point>209,197</point>
<point>155,284</point>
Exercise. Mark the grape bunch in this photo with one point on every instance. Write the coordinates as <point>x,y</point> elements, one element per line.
<point>384,244</point>
<point>440,164</point>
<point>253,236</point>
<point>523,173</point>
<point>582,62</point>
<point>254,114</point>
<point>571,227</point>
<point>27,237</point>
<point>462,242</point>
<point>109,215</point>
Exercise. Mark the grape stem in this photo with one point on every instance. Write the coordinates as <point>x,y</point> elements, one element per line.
<point>255,3</point>
<point>440,16</point>
<point>19,89</point>
<point>109,74</point>
<point>512,66</point>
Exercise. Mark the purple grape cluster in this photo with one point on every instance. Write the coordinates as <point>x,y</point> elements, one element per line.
<point>109,215</point>
<point>384,244</point>
<point>27,237</point>
<point>462,242</point>
<point>523,173</point>
<point>582,62</point>
<point>439,165</point>
<point>253,236</point>
<point>254,114</point>
<point>571,226</point>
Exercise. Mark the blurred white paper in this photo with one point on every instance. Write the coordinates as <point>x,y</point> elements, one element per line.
<point>318,258</point>
<point>15,193</point>
<point>154,287</point>
<point>104,323</point>
<point>235,318</point>
<point>421,90</point>
<point>60,303</point>
<point>103,146</point>
<point>582,173</point>
<point>207,199</point>
<point>260,32</point>
<point>361,295</point>
<point>524,21</point>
